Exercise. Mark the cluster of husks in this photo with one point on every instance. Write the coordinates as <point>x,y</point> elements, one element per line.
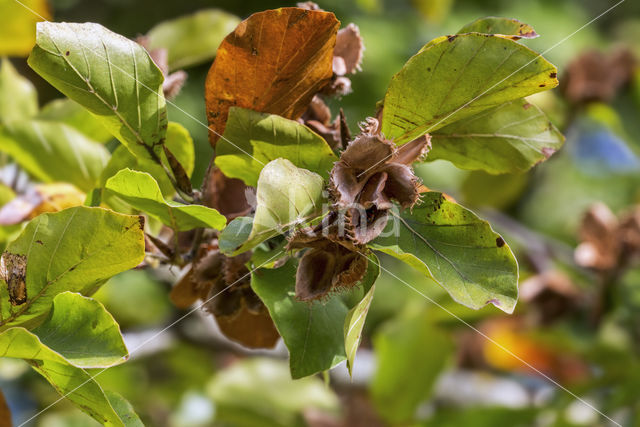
<point>371,173</point>
<point>608,242</point>
<point>224,284</point>
<point>332,261</point>
<point>347,58</point>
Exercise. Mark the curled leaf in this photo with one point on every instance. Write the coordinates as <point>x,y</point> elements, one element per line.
<point>510,28</point>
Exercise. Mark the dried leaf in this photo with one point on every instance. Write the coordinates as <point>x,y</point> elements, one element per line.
<point>275,62</point>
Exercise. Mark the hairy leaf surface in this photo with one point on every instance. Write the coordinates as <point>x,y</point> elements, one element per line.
<point>313,332</point>
<point>180,143</point>
<point>79,333</point>
<point>509,138</point>
<point>108,74</point>
<point>458,250</point>
<point>76,250</point>
<point>455,77</point>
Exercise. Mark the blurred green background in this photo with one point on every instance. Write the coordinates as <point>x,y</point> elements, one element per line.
<point>418,364</point>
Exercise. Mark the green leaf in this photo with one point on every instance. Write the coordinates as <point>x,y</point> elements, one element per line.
<point>244,395</point>
<point>286,196</point>
<point>411,352</point>
<point>483,416</point>
<point>454,77</point>
<point>192,39</point>
<point>313,332</point>
<point>124,409</point>
<point>502,26</point>
<point>509,138</point>
<point>235,234</point>
<point>18,97</point>
<point>75,115</point>
<point>458,250</point>
<point>79,333</point>
<point>354,322</point>
<point>141,191</point>
<point>53,152</point>
<point>252,139</point>
<point>180,143</point>
<point>110,75</point>
<point>76,250</point>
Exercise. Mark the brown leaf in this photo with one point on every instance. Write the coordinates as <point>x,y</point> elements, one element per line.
<point>349,47</point>
<point>275,62</point>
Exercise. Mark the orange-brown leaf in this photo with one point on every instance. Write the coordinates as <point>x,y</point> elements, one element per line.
<point>273,62</point>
